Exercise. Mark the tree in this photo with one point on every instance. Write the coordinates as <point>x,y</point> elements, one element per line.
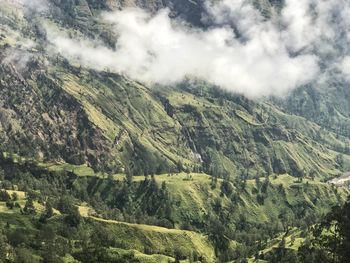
<point>47,234</point>
<point>260,198</point>
<point>17,237</point>
<point>48,210</point>
<point>24,255</point>
<point>3,246</point>
<point>340,160</point>
<point>226,188</point>
<point>217,234</point>
<point>128,177</point>
<point>10,204</point>
<point>265,184</point>
<point>330,241</point>
<point>73,217</point>
<point>29,208</point>
<point>65,204</point>
<point>14,196</point>
<point>102,237</point>
<point>179,166</point>
<point>164,187</point>
<point>285,218</point>
<point>257,182</point>
<point>4,196</point>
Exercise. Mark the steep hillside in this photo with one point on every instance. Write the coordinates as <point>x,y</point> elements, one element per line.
<point>59,111</point>
<point>140,243</point>
<point>195,200</point>
<point>327,105</point>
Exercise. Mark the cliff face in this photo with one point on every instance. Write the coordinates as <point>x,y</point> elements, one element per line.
<point>185,9</point>
<point>39,119</point>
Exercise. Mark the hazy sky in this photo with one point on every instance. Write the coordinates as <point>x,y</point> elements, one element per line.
<point>268,57</point>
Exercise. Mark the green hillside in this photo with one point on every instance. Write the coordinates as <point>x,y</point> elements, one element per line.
<point>97,167</point>
<point>114,124</point>
<point>180,215</point>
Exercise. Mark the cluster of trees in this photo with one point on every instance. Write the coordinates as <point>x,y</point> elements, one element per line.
<point>330,240</point>
<point>251,236</point>
<point>11,200</point>
<point>149,202</point>
<point>325,242</point>
<point>50,240</point>
<point>21,243</point>
<point>46,235</point>
<point>144,162</point>
<point>144,202</point>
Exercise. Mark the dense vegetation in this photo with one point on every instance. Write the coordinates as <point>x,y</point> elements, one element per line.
<point>218,218</point>
<point>330,239</point>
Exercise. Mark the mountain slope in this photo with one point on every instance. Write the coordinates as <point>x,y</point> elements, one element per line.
<point>159,173</point>
<point>116,124</point>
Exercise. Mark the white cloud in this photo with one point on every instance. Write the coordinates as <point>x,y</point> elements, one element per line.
<point>345,66</point>
<point>36,6</point>
<point>156,49</point>
<point>300,32</point>
<point>17,58</point>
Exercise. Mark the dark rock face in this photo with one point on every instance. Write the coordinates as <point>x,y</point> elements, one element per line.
<point>40,120</point>
<point>188,10</point>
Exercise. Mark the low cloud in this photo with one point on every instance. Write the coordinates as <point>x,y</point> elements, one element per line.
<point>33,6</point>
<point>18,58</point>
<point>241,51</point>
<point>36,5</point>
<point>345,67</point>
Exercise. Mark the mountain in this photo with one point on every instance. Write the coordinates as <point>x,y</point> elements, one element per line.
<point>83,116</point>
<point>110,169</point>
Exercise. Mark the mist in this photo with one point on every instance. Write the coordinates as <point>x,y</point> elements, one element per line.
<point>241,51</point>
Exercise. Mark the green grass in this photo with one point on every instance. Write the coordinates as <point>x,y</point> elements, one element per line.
<point>95,115</point>
<point>247,117</point>
<point>193,197</point>
<point>227,130</point>
<point>293,240</point>
<point>79,170</point>
<point>22,198</point>
<point>155,258</point>
<point>119,106</point>
<point>159,240</point>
